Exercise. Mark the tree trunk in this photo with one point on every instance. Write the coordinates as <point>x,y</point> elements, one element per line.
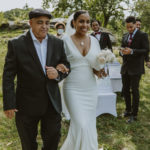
<point>106,20</point>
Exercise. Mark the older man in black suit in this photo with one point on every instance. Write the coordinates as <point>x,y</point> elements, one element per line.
<point>36,98</point>
<point>135,46</point>
<point>102,37</point>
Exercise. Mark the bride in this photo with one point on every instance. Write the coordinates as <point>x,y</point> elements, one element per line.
<point>79,88</point>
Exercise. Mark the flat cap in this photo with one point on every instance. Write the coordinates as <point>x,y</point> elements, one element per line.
<point>39,12</point>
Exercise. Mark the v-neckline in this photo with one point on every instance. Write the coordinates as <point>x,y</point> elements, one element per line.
<point>79,50</point>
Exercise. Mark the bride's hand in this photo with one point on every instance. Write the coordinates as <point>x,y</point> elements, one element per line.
<point>62,68</point>
<point>101,73</point>
<point>97,73</point>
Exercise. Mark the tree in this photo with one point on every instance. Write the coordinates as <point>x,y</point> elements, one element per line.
<point>17,14</point>
<point>99,9</point>
<point>143,13</point>
<point>2,19</point>
<point>63,7</point>
<point>106,9</point>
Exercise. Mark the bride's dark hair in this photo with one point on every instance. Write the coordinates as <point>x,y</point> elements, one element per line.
<point>77,14</point>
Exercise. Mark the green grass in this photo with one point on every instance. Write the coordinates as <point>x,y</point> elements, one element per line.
<point>113,133</point>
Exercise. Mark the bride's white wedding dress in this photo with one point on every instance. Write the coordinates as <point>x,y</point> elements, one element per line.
<point>80,95</point>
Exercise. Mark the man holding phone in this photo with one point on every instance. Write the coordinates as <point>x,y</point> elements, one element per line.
<point>135,45</point>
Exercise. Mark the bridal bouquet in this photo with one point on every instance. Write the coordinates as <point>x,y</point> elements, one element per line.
<point>106,56</point>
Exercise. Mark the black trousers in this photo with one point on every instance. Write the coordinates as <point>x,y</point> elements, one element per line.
<point>27,127</point>
<point>131,89</point>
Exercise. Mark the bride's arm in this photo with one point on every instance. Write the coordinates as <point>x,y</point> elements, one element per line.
<point>62,68</point>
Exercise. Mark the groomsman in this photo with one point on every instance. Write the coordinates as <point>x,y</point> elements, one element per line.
<point>135,46</point>
<point>102,37</point>
<point>138,23</point>
<point>138,26</point>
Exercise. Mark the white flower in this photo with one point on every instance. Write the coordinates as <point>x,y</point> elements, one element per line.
<point>106,56</point>
<point>101,58</point>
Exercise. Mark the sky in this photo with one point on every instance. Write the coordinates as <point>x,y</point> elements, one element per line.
<point>11,4</point>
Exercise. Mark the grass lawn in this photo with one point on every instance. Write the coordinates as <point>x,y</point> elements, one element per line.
<point>113,133</point>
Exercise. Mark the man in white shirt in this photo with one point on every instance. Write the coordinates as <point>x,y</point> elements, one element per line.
<point>37,97</point>
<point>102,37</point>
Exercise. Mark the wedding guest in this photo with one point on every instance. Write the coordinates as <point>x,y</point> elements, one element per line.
<point>60,28</point>
<point>135,45</point>
<point>32,57</point>
<point>102,37</point>
<point>138,23</point>
<point>138,26</point>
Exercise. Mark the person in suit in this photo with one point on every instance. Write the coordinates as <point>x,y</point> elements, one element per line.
<point>135,45</point>
<point>102,37</point>
<point>138,23</point>
<point>36,97</point>
<point>138,26</point>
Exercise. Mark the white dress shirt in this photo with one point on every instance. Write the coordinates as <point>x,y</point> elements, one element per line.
<point>98,36</point>
<point>41,49</point>
<point>133,34</point>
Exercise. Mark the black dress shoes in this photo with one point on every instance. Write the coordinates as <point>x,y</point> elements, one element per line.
<point>132,119</point>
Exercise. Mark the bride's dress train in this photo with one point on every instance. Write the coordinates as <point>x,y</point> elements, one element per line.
<point>80,95</point>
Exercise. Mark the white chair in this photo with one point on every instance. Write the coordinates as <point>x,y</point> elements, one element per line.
<point>106,104</point>
<point>115,76</point>
<point>106,98</point>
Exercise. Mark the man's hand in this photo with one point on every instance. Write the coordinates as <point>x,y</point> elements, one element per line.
<point>126,51</point>
<point>52,73</point>
<point>148,64</point>
<point>62,68</point>
<point>10,113</point>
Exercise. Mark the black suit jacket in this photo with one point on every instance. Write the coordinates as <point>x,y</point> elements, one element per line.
<point>133,64</point>
<point>104,40</point>
<point>33,88</point>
